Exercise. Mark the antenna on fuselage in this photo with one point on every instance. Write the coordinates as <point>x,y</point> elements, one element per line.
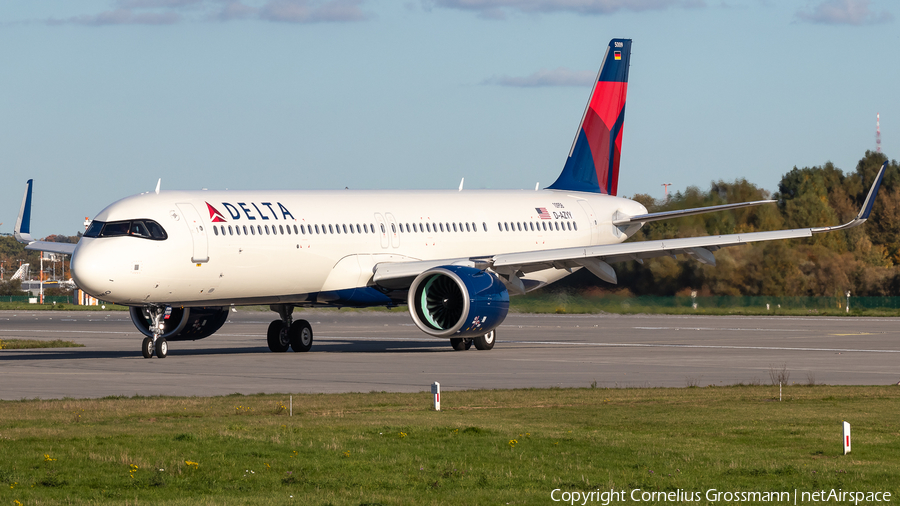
<point>537,185</point>
<point>463,180</point>
<point>157,185</point>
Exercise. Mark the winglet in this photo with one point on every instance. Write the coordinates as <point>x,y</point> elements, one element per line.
<point>22,232</point>
<point>866,207</point>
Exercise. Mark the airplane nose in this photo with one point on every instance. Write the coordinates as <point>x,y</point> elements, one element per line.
<point>90,269</point>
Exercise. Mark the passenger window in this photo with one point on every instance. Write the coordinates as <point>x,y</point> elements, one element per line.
<point>575,225</point>
<point>442,226</point>
<point>467,228</point>
<point>238,230</point>
<point>345,228</point>
<point>393,228</point>
<point>454,227</point>
<point>383,231</point>
<point>358,230</point>
<point>544,224</point>
<point>506,225</point>
<point>499,226</point>
<point>519,225</point>
<point>253,231</point>
<point>428,226</point>
<point>569,225</point>
<point>245,230</point>
<point>484,225</point>
<point>556,224</point>
<point>216,230</point>
<point>317,229</point>
<point>229,230</point>
<point>330,229</point>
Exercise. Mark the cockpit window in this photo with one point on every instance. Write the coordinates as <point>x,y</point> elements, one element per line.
<point>146,229</point>
<point>94,229</point>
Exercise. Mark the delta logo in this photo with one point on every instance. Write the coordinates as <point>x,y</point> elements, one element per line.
<point>214,215</point>
<point>242,210</point>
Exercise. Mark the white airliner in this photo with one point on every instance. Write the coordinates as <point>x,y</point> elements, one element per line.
<point>180,259</point>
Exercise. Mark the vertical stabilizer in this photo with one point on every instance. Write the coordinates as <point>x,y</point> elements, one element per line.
<point>22,232</point>
<point>593,163</point>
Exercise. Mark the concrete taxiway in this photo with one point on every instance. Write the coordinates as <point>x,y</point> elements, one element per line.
<point>362,351</point>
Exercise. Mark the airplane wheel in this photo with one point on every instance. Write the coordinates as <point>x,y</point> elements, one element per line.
<point>301,335</point>
<point>147,347</point>
<point>486,341</point>
<point>162,348</point>
<point>460,344</point>
<point>277,339</point>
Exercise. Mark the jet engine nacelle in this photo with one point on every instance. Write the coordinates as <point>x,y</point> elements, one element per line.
<point>183,323</point>
<point>455,301</point>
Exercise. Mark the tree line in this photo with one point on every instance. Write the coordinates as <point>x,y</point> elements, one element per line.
<point>864,260</point>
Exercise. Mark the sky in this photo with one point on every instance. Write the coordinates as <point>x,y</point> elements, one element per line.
<point>101,98</point>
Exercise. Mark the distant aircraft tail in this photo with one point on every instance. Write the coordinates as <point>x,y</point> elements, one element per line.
<point>22,232</point>
<point>593,163</point>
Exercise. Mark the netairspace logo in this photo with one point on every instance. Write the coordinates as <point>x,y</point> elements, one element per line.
<point>613,496</point>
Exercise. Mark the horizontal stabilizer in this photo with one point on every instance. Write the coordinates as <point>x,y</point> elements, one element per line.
<point>63,248</point>
<point>668,215</point>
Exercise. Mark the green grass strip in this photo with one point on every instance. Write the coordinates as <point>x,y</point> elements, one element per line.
<point>23,344</point>
<point>484,447</point>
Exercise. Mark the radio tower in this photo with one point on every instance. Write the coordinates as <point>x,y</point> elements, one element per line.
<point>878,133</point>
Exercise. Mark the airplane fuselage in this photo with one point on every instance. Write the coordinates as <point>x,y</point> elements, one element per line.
<point>320,247</point>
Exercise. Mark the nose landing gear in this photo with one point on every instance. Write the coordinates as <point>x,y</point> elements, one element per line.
<point>156,344</point>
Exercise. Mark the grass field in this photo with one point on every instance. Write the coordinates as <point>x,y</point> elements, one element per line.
<point>484,447</point>
<point>22,344</point>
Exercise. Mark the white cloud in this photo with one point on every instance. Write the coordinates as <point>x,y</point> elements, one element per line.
<point>304,11</point>
<point>844,12</point>
<point>164,12</point>
<point>557,77</point>
<point>498,9</point>
<point>120,17</point>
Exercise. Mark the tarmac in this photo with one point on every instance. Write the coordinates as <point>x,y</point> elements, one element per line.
<point>364,351</point>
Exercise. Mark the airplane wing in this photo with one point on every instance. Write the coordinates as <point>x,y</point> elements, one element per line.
<point>22,232</point>
<point>512,266</point>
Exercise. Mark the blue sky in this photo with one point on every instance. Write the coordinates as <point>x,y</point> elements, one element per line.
<point>100,98</point>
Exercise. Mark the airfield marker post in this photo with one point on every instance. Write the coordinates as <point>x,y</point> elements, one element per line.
<point>436,390</point>
<point>845,439</point>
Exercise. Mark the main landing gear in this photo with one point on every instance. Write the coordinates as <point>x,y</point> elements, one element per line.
<point>286,333</point>
<point>484,342</point>
<point>156,344</point>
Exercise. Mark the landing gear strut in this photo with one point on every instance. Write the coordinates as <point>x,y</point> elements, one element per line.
<point>286,333</point>
<point>156,344</point>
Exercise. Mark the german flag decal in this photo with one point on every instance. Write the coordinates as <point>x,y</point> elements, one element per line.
<point>618,55</point>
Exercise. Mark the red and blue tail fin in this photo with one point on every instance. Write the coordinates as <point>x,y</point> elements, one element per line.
<point>593,164</point>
